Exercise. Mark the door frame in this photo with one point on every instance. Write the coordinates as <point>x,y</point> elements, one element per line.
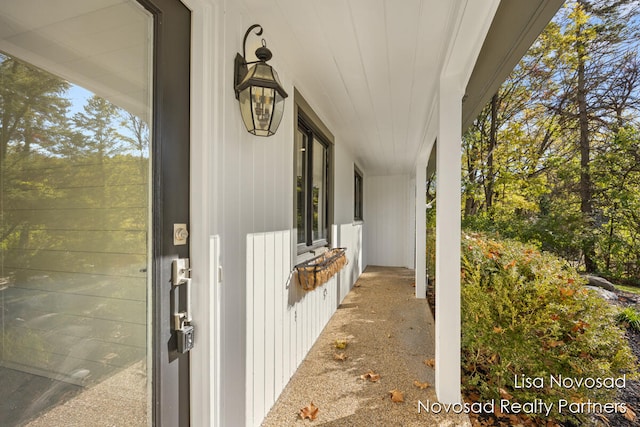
<point>170,200</point>
<point>208,65</point>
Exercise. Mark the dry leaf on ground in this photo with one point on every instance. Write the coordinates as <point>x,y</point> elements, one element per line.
<point>371,376</point>
<point>310,411</point>
<point>341,357</point>
<point>505,394</point>
<point>396,395</point>
<point>420,385</point>
<point>340,344</point>
<point>430,362</point>
<point>629,414</point>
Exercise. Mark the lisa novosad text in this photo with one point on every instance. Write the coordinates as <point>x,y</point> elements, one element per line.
<point>538,406</point>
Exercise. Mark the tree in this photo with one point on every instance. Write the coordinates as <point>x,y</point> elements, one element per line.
<point>544,159</point>
<point>32,112</point>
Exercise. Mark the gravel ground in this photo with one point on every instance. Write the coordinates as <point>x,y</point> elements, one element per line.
<point>117,402</point>
<point>631,393</point>
<point>388,332</point>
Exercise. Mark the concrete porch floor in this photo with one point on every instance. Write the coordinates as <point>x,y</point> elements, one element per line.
<point>389,332</point>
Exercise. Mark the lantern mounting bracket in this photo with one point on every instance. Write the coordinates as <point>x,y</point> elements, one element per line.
<point>241,65</point>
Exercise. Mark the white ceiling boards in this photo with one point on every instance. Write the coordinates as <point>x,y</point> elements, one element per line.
<point>372,68</point>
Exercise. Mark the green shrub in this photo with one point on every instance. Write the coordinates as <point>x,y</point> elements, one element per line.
<point>525,312</point>
<point>631,317</point>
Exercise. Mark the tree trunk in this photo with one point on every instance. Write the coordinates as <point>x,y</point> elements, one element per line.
<point>586,191</point>
<point>493,136</point>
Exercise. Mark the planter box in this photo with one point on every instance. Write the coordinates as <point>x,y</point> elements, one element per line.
<point>317,271</point>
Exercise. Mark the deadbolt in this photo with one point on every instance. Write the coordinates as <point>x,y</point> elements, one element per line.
<point>180,234</point>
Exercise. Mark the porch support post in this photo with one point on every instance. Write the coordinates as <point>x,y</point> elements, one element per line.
<point>448,201</point>
<point>421,229</point>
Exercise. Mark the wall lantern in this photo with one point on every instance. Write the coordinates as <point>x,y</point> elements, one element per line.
<point>258,90</point>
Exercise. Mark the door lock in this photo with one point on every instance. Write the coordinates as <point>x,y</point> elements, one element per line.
<point>180,234</point>
<point>181,276</point>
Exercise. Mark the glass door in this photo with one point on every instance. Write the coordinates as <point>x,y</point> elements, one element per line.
<point>85,332</point>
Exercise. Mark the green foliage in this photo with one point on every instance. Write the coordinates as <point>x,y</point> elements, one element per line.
<point>631,317</point>
<point>562,168</point>
<point>525,312</point>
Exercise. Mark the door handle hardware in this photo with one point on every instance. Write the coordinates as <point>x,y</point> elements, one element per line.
<point>181,276</point>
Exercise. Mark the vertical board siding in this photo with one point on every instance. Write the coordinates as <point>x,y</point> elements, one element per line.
<point>388,217</point>
<point>283,321</point>
<point>350,238</point>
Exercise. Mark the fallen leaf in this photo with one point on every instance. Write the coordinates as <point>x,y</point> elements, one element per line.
<point>371,376</point>
<point>498,329</point>
<point>342,357</point>
<point>474,396</point>
<point>430,362</point>
<point>580,326</point>
<point>505,394</point>
<point>340,344</point>
<point>511,264</point>
<point>420,385</point>
<point>396,395</point>
<point>310,411</point>
<point>497,411</point>
<point>629,414</point>
<point>567,292</point>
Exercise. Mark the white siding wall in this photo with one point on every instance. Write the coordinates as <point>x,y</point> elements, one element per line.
<point>343,190</point>
<point>252,196</point>
<point>253,192</point>
<point>284,321</point>
<point>387,216</point>
<point>350,237</point>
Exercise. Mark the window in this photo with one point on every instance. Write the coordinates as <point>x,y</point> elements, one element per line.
<point>312,186</point>
<point>357,194</point>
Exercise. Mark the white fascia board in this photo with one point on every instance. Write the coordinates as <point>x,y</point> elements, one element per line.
<point>467,36</point>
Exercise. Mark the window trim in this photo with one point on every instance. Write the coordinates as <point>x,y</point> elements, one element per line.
<point>305,116</point>
<point>358,194</point>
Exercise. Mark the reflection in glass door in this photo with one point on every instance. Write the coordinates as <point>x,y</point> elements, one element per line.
<point>75,103</point>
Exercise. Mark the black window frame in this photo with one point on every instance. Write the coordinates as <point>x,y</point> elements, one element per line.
<point>305,125</point>
<point>358,194</point>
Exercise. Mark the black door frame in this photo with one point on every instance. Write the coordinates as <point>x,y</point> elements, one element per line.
<point>170,183</point>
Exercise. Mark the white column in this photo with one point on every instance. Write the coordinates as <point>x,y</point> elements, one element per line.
<point>421,229</point>
<point>448,242</point>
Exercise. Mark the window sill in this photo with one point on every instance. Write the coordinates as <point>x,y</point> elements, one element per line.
<point>307,252</point>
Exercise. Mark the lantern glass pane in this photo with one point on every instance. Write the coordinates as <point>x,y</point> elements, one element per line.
<point>262,71</point>
<point>262,100</point>
<point>245,108</point>
<point>278,111</point>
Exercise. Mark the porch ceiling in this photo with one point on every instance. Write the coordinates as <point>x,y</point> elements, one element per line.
<point>372,67</point>
<point>98,44</point>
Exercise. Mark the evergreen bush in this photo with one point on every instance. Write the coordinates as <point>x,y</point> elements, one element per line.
<point>526,314</point>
